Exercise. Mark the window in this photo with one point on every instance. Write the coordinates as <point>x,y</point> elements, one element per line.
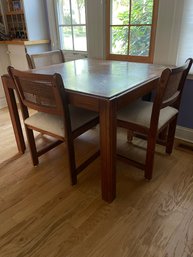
<point>131,28</point>
<point>72,24</point>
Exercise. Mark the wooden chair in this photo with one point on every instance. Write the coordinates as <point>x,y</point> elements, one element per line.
<point>45,59</point>
<point>54,116</point>
<point>151,118</point>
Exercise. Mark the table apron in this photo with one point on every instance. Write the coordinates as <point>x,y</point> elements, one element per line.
<point>141,90</point>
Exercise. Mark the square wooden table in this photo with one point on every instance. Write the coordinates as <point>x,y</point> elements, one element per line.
<point>98,85</point>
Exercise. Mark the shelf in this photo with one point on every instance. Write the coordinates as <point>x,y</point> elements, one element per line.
<point>16,25</point>
<point>15,12</point>
<point>14,6</point>
<point>15,20</point>
<point>24,42</point>
<point>18,20</point>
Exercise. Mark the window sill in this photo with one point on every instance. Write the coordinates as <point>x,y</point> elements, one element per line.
<point>70,55</point>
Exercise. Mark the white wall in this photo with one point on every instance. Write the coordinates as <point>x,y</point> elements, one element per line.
<point>168,31</point>
<point>52,24</point>
<point>36,19</point>
<point>95,28</point>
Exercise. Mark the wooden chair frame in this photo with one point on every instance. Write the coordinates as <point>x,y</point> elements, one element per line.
<point>54,84</point>
<point>162,99</point>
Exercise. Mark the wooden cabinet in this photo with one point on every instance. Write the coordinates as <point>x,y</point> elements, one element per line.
<point>14,5</point>
<point>16,25</point>
<point>26,22</point>
<point>26,19</point>
<point>15,19</point>
<point>27,25</point>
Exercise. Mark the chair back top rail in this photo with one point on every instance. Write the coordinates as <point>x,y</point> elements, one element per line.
<point>45,59</point>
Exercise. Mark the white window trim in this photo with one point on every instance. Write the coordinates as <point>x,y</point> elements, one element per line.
<point>58,33</point>
<point>95,10</point>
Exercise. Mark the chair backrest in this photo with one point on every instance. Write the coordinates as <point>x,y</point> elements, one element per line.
<point>44,93</point>
<point>45,59</point>
<point>169,89</point>
<point>174,87</point>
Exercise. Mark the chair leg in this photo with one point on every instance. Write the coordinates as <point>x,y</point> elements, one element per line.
<point>32,146</point>
<point>129,135</point>
<point>72,161</point>
<point>171,136</point>
<point>163,134</point>
<point>151,143</point>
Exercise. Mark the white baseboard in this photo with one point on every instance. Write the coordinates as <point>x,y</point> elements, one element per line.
<point>185,134</point>
<point>3,102</point>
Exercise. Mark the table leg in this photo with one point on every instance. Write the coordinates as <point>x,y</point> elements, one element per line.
<point>13,110</point>
<point>108,149</point>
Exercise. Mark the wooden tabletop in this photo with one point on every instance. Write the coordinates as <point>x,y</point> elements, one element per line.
<point>103,78</point>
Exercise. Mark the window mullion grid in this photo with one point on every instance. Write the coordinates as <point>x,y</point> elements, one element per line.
<point>129,26</point>
<point>72,28</point>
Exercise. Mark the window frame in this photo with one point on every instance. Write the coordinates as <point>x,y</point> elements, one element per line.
<point>132,58</point>
<point>71,26</point>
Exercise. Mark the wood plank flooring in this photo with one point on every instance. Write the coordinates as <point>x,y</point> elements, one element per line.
<point>42,215</point>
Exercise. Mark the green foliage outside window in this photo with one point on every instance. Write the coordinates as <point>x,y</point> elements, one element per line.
<point>132,35</point>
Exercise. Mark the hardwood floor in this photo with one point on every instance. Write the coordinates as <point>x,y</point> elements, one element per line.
<point>42,215</point>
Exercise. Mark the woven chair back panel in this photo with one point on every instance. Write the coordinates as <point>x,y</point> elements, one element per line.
<point>42,60</point>
<point>38,93</point>
<point>173,85</point>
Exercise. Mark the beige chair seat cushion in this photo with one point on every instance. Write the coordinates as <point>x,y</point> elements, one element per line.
<point>140,111</point>
<point>54,124</point>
